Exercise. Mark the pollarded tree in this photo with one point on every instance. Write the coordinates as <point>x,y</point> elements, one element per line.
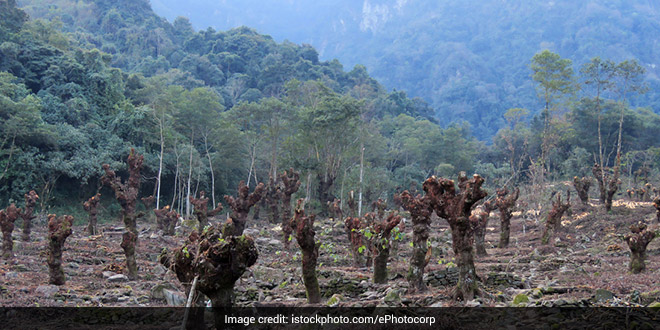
<point>7,219</point>
<point>166,220</point>
<point>27,213</point>
<point>420,209</point>
<point>553,221</point>
<point>58,230</point>
<point>126,194</point>
<point>354,227</point>
<point>217,259</point>
<point>638,241</point>
<point>202,211</point>
<point>303,227</point>
<point>91,206</point>
<point>241,204</point>
<point>381,245</point>
<point>582,187</point>
<point>273,193</point>
<point>505,202</point>
<point>481,218</point>
<point>291,183</point>
<point>456,207</point>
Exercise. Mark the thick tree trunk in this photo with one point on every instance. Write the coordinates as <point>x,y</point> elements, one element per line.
<point>202,212</point>
<point>505,203</point>
<point>420,209</point>
<point>381,246</point>
<point>91,206</point>
<point>273,195</point>
<point>600,176</point>
<point>27,214</point>
<point>58,230</point>
<point>354,232</point>
<point>462,240</point>
<point>582,186</point>
<point>241,204</point>
<point>7,219</point>
<point>304,229</point>
<point>637,242</point>
<point>481,220</point>
<point>553,221</point>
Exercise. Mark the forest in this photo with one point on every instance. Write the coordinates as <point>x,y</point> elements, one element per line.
<point>119,128</point>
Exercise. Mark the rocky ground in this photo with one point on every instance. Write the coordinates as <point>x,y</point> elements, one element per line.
<point>586,265</point>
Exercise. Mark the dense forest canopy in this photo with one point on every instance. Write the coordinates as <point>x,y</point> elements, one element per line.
<point>468,59</point>
<point>82,82</point>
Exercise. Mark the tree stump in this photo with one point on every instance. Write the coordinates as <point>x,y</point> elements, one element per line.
<point>91,206</point>
<point>166,220</point>
<point>126,194</point>
<point>505,202</point>
<point>420,209</point>
<point>58,230</point>
<point>553,221</point>
<point>481,218</point>
<point>202,212</point>
<point>303,226</point>
<point>381,245</point>
<point>273,194</point>
<point>582,186</point>
<point>7,219</point>
<point>637,242</point>
<point>354,228</point>
<point>27,214</point>
<point>291,182</point>
<point>456,206</point>
<point>241,204</point>
<point>218,259</point>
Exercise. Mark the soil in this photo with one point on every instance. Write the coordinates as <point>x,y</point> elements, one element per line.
<point>585,264</point>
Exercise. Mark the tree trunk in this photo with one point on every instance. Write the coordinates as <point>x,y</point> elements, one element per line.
<point>467,275</point>
<point>599,174</point>
<point>381,246</point>
<point>420,209</point>
<point>58,230</point>
<point>582,186</point>
<point>505,202</point>
<point>189,178</point>
<point>354,232</point>
<point>241,204</point>
<point>656,204</point>
<point>208,155</point>
<point>291,182</point>
<point>553,222</point>
<point>7,219</point>
<point>304,229</point>
<point>91,206</point>
<point>638,242</point>
<point>27,214</point>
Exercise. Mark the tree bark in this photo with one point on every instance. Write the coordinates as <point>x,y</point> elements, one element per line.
<point>599,174</point>
<point>291,182</point>
<point>553,221</point>
<point>7,219</point>
<point>582,186</point>
<point>241,204</point>
<point>505,202</point>
<point>27,214</point>
<point>58,230</point>
<point>381,246</point>
<point>420,209</point>
<point>303,227</point>
<point>481,219</point>
<point>91,206</point>
<point>637,242</point>
<point>202,212</point>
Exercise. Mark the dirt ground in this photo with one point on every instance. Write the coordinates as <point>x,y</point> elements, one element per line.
<point>586,264</point>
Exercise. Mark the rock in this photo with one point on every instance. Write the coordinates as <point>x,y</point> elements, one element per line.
<point>392,297</point>
<point>174,298</point>
<point>520,298</point>
<point>473,303</point>
<point>107,274</point>
<point>334,300</point>
<point>537,293</point>
<point>159,270</point>
<point>118,278</point>
<point>604,295</point>
<point>437,304</point>
<point>275,242</point>
<point>74,265</point>
<point>157,290</point>
<point>47,290</point>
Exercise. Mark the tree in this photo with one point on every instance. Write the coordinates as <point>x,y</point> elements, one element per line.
<point>554,76</point>
<point>59,228</point>
<point>303,227</point>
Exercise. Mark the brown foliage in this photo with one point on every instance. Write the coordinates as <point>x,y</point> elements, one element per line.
<point>241,204</point>
<point>303,226</point>
<point>59,228</point>
<point>91,206</point>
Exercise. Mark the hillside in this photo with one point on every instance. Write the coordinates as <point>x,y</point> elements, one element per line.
<point>468,59</point>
